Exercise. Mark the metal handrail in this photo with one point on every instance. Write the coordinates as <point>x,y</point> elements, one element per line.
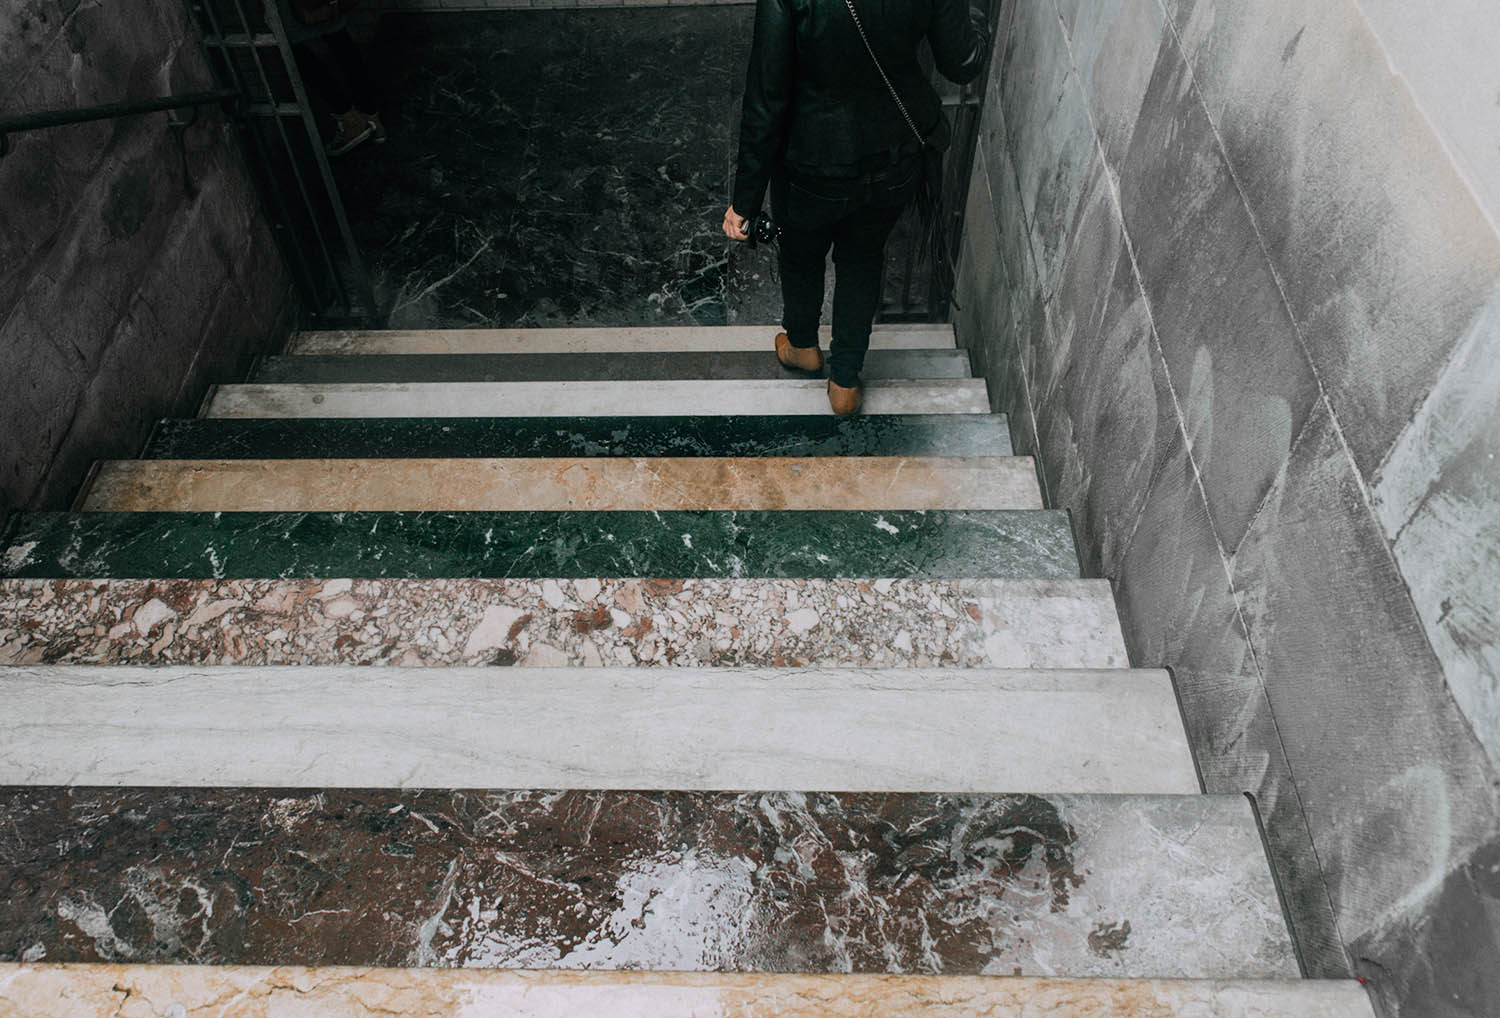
<point>108,111</point>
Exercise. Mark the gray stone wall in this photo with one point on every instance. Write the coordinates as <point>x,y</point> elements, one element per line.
<point>135,267</point>
<point>1231,267</point>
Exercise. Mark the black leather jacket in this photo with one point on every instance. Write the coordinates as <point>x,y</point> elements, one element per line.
<point>814,100</point>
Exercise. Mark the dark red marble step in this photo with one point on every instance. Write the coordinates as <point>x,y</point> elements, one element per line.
<point>1079,885</point>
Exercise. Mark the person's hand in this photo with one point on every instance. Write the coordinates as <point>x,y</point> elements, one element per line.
<point>734,225</point>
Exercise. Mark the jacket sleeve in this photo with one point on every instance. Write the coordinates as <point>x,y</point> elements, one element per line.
<point>768,92</point>
<point>960,40</point>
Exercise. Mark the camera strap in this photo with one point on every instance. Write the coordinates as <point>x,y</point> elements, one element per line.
<point>860,28</point>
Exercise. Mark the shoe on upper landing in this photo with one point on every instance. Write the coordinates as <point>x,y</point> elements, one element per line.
<point>355,128</point>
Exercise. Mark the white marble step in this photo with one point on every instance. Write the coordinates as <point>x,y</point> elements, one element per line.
<point>665,339</point>
<point>596,399</point>
<point>847,729</point>
<point>97,991</point>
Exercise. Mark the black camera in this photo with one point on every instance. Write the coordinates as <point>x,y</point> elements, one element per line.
<point>761,230</point>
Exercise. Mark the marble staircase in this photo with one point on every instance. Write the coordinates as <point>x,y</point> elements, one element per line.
<point>600,672</point>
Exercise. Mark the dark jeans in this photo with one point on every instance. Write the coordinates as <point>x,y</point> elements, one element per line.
<point>853,216</point>
<point>340,78</point>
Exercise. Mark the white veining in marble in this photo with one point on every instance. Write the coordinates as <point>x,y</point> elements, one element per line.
<point>172,991</point>
<point>597,399</point>
<point>675,339</point>
<point>847,729</point>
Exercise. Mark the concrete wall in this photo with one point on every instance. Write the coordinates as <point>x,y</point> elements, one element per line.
<point>1233,269</point>
<point>134,270</point>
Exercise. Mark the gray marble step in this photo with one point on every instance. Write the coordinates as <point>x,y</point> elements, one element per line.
<point>843,729</point>
<point>599,399</point>
<point>557,484</point>
<point>596,340</point>
<point>617,367</point>
<point>93,991</point>
<point>764,881</point>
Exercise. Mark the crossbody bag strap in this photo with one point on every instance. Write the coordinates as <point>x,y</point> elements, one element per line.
<point>860,28</point>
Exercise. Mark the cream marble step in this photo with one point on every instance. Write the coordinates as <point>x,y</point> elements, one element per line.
<point>846,729</point>
<point>336,485</point>
<point>667,339</point>
<point>597,399</point>
<point>98,991</point>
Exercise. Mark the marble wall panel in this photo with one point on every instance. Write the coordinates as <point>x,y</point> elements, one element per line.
<point>1178,606</point>
<point>1231,348</point>
<point>1383,251</point>
<point>1112,41</point>
<point>1125,422</point>
<point>1438,498</point>
<point>1446,52</point>
<point>123,242</point>
<point>1250,144</point>
<point>1397,792</point>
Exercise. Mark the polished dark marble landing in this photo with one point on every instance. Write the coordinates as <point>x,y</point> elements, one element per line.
<point>941,544</point>
<point>551,167</point>
<point>775,881</point>
<point>493,437</point>
<point>618,367</point>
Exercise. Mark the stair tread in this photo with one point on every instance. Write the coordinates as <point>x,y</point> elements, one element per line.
<point>94,991</point>
<point>769,881</point>
<point>841,729</point>
<point>564,399</point>
<point>881,623</point>
<point>662,339</point>
<point>557,484</point>
<point>728,435</point>
<point>628,366</point>
<point>1032,544</point>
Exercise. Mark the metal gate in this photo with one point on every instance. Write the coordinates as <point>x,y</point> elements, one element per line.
<point>249,53</point>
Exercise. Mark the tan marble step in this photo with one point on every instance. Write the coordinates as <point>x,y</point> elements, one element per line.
<point>107,991</point>
<point>336,485</point>
<point>671,339</point>
<point>597,399</point>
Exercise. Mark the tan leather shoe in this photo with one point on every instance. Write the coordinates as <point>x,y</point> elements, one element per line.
<point>844,401</point>
<point>803,358</point>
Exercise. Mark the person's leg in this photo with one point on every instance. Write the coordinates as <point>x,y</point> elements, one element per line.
<point>319,79</point>
<point>801,256</point>
<point>858,254</point>
<point>346,55</point>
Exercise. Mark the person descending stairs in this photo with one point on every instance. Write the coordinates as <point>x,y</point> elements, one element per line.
<point>601,672</point>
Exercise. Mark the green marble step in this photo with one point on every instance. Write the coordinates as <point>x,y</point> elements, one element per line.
<point>1029,544</point>
<point>618,367</point>
<point>493,437</point>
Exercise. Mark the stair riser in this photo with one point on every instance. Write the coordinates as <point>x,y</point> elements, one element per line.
<point>602,399</point>
<point>595,340</point>
<point>94,991</point>
<point>494,437</point>
<point>771,623</point>
<point>554,485</point>
<point>620,367</point>
<point>1032,544</point>
<point>764,882</point>
<point>839,729</point>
